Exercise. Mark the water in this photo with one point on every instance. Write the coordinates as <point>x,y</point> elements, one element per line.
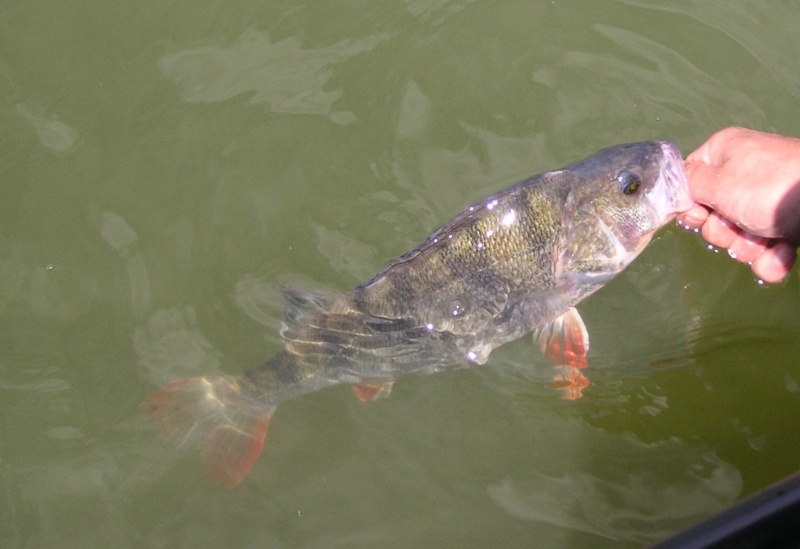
<point>164,166</point>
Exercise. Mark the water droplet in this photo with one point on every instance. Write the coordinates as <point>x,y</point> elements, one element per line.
<point>457,308</point>
<point>508,218</point>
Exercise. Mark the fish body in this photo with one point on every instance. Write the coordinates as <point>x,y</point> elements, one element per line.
<point>515,263</point>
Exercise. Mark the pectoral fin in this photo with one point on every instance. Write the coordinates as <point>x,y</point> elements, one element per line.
<point>565,341</point>
<point>373,391</point>
<point>571,381</point>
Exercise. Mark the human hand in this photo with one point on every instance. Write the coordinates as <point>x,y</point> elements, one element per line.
<point>746,188</point>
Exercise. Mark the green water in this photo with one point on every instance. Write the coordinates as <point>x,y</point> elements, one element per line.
<point>165,165</point>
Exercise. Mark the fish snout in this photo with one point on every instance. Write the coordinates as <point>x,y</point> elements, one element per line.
<point>671,194</point>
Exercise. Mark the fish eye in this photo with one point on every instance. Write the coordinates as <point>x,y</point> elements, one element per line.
<point>629,182</point>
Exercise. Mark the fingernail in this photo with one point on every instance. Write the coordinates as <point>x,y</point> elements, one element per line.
<point>690,223</point>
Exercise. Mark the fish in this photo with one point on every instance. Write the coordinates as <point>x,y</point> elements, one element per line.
<point>515,263</point>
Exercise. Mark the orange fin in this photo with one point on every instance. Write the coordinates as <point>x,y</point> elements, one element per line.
<point>565,340</point>
<point>373,391</point>
<point>213,412</point>
<point>230,452</point>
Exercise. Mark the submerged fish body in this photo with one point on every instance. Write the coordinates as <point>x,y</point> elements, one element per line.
<point>515,263</point>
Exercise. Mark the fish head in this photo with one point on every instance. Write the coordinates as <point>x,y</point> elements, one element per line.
<point>618,199</point>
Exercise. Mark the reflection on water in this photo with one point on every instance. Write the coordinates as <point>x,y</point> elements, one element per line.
<point>283,74</point>
<point>116,232</point>
<point>170,346</point>
<point>259,300</point>
<point>745,24</point>
<point>626,490</point>
<point>52,133</point>
<point>637,58</point>
<point>345,254</point>
<point>434,11</point>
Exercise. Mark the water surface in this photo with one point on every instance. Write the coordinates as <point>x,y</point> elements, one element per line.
<point>166,165</point>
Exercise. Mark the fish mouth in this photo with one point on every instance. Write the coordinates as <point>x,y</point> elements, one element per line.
<point>671,193</point>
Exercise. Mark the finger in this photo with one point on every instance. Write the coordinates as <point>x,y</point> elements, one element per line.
<point>693,218</point>
<point>706,152</point>
<point>775,263</point>
<point>715,148</point>
<point>701,154</point>
<point>718,231</point>
<point>747,247</point>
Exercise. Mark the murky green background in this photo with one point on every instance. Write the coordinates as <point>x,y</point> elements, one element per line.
<point>164,165</point>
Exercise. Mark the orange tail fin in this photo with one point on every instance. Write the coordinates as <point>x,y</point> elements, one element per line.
<point>213,411</point>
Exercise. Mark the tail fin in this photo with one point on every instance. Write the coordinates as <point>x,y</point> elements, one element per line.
<point>213,410</point>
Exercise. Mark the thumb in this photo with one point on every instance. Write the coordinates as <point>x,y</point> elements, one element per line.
<point>705,182</point>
